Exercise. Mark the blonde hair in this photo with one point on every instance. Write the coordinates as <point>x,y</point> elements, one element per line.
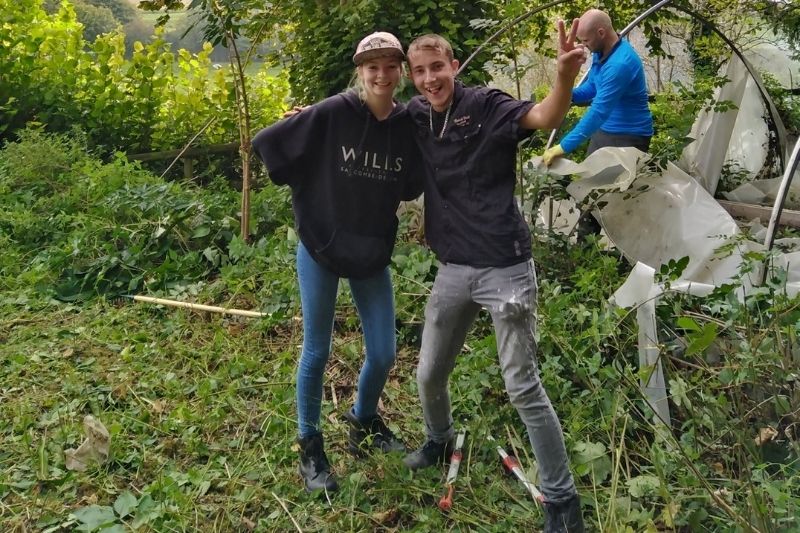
<point>357,84</point>
<point>431,41</point>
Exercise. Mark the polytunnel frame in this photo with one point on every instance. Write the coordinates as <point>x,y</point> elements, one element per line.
<point>788,167</point>
<point>644,314</point>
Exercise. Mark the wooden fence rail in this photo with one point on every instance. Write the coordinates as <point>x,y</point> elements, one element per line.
<point>186,155</point>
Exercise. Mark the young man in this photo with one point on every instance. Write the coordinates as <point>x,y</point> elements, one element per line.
<point>469,140</point>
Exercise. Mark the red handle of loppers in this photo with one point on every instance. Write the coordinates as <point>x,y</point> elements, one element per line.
<point>446,503</point>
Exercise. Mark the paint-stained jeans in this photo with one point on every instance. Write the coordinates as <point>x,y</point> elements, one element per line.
<point>509,294</point>
<point>374,301</point>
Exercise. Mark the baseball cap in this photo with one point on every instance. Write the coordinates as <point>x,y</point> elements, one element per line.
<point>378,44</point>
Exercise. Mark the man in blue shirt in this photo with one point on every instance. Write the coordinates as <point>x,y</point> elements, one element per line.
<point>616,89</point>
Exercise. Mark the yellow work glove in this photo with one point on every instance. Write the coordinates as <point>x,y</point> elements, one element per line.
<point>551,153</point>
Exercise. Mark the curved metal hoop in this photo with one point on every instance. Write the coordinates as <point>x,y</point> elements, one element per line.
<point>507,27</point>
<point>788,167</point>
<point>777,123</point>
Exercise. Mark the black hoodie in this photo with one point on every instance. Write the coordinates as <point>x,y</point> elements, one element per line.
<point>348,173</point>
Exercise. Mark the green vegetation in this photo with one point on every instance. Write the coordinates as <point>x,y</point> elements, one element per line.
<point>200,407</point>
<point>155,100</point>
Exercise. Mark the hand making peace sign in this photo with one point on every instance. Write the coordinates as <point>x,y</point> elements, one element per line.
<point>570,55</point>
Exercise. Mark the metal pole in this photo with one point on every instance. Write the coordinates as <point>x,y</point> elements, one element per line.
<point>505,28</point>
<point>777,123</point>
<point>783,192</point>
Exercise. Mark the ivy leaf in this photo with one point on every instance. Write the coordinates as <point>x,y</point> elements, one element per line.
<point>238,249</point>
<point>678,390</point>
<point>94,517</point>
<point>125,504</point>
<point>641,486</point>
<point>201,231</point>
<point>700,341</point>
<point>147,511</point>
<point>591,458</point>
<point>689,324</point>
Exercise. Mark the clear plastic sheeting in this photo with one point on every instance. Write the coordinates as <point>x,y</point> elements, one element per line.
<point>560,216</point>
<point>653,218</point>
<point>671,216</point>
<point>766,192</point>
<point>641,291</point>
<point>774,55</point>
<point>737,136</point>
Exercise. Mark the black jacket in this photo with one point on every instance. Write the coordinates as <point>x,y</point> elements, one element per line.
<point>471,215</point>
<point>348,173</point>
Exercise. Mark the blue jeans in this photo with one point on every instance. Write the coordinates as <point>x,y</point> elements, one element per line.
<point>509,294</point>
<point>374,301</point>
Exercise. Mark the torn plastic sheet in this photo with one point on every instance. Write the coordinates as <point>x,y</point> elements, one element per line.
<point>94,450</point>
<point>737,136</point>
<point>641,291</point>
<point>774,55</point>
<point>653,218</point>
<point>765,192</point>
<point>758,232</point>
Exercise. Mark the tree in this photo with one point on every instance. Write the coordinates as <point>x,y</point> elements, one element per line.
<point>224,21</point>
<point>122,10</point>
<point>322,35</point>
<point>96,20</point>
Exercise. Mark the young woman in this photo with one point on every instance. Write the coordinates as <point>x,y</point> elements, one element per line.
<point>349,160</point>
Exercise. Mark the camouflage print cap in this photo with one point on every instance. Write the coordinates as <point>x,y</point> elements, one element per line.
<point>378,44</point>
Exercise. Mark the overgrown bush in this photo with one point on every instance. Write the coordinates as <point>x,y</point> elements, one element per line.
<point>156,100</point>
<point>112,228</point>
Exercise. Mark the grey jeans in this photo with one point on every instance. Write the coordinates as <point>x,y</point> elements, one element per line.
<point>509,294</point>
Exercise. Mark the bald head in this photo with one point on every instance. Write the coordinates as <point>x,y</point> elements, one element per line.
<point>594,19</point>
<point>596,32</point>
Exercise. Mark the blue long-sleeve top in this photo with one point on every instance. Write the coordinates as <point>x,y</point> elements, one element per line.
<point>617,90</point>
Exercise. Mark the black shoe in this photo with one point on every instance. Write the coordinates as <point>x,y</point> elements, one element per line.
<point>372,434</point>
<point>564,517</point>
<point>432,453</point>
<point>314,465</point>
<point>587,225</point>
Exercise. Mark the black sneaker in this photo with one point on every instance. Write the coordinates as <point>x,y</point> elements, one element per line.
<point>432,453</point>
<point>373,434</point>
<point>563,517</point>
<point>314,466</point>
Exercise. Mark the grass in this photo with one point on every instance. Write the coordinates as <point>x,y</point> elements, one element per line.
<point>200,407</point>
<point>200,413</point>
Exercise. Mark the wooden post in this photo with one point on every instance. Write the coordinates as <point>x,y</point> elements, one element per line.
<point>188,168</point>
<point>245,227</point>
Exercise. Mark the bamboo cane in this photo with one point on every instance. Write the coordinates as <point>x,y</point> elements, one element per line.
<point>198,307</point>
